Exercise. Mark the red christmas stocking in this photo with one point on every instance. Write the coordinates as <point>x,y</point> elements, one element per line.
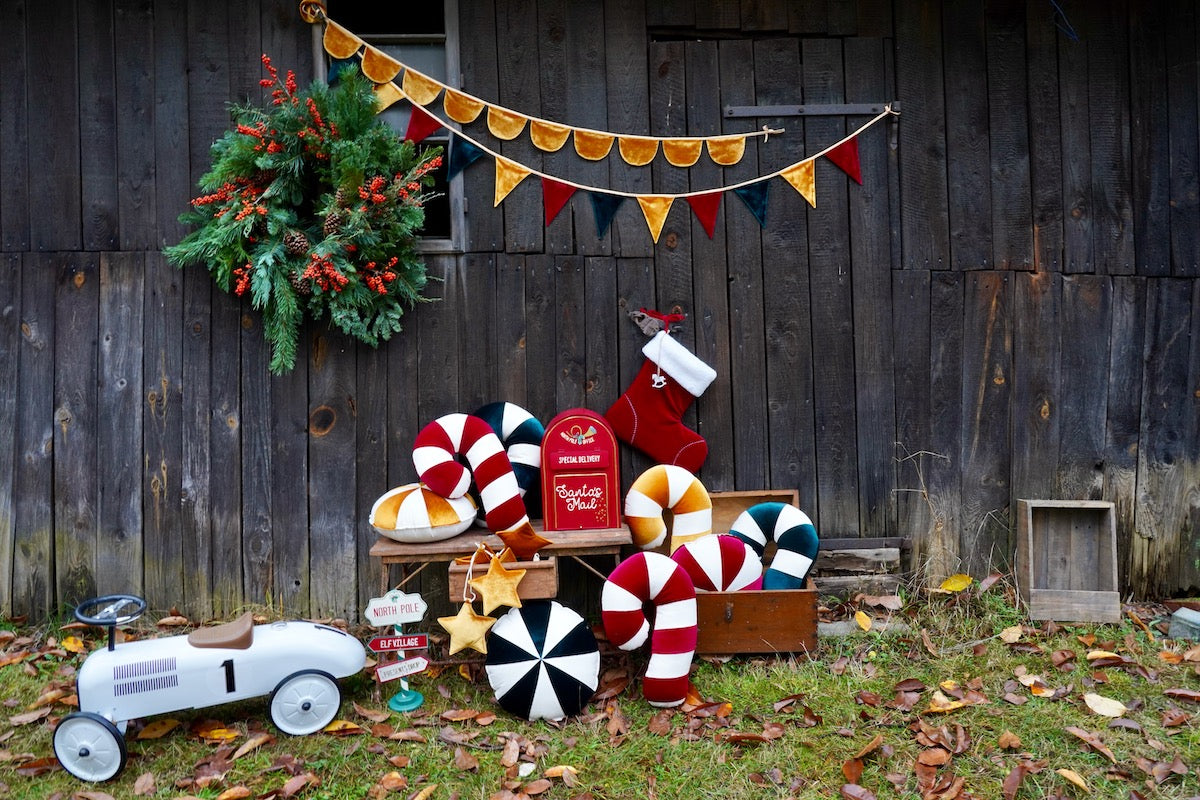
<point>649,414</point>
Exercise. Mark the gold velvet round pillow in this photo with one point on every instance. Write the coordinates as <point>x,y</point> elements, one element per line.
<point>414,513</point>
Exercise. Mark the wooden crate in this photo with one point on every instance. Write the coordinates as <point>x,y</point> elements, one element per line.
<point>769,621</point>
<point>1067,560</point>
<point>540,581</point>
<point>728,506</point>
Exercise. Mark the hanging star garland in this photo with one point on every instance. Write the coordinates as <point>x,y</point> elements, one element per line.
<point>467,629</point>
<point>498,587</point>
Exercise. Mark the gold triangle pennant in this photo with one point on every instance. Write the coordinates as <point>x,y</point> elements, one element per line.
<point>682,152</point>
<point>508,175</point>
<point>386,94</point>
<point>591,145</point>
<point>420,89</point>
<point>339,42</point>
<point>727,152</point>
<point>548,136</point>
<point>637,151</point>
<point>505,124</point>
<point>654,209</point>
<point>800,176</point>
<point>461,107</point>
<point>378,65</point>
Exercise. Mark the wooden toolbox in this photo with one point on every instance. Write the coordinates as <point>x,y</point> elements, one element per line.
<point>540,581</point>
<point>1067,560</point>
<point>774,621</point>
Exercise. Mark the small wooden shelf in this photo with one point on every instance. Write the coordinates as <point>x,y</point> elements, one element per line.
<point>1067,560</point>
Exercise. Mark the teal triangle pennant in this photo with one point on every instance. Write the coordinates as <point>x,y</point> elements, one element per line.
<point>754,195</point>
<point>462,155</point>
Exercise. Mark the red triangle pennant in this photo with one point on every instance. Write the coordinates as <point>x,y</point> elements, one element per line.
<point>420,125</point>
<point>705,207</point>
<point>554,196</point>
<point>845,156</point>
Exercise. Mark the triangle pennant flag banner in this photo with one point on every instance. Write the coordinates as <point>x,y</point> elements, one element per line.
<point>462,155</point>
<point>705,207</point>
<point>654,209</point>
<point>420,125</point>
<point>604,207</point>
<point>754,195</point>
<point>800,176</point>
<point>845,156</point>
<point>554,196</point>
<point>508,175</point>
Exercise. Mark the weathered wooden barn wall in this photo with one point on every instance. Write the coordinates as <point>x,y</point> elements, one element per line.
<point>1009,306</point>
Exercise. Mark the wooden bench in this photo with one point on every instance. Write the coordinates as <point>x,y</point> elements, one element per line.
<point>573,544</point>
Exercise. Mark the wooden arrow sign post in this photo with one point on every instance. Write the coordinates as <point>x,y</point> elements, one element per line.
<point>396,608</point>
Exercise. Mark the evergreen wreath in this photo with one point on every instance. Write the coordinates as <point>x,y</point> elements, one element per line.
<point>313,207</point>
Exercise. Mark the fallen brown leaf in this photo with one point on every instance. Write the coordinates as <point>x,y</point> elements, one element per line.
<point>235,793</point>
<point>852,791</point>
<point>660,723</point>
<point>145,785</point>
<point>1190,695</point>
<point>1009,741</point>
<point>1074,777</point>
<point>295,784</point>
<point>1093,741</point>
<point>158,728</point>
<point>253,743</point>
<point>372,714</point>
<point>536,787</point>
<point>29,716</point>
<point>464,761</point>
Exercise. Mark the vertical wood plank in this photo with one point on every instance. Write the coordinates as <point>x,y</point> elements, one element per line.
<point>924,194</point>
<point>1008,135</point>
<point>601,318</point>
<point>1083,403</point>
<point>744,270</point>
<point>10,338</point>
<point>912,334</point>
<point>172,183</point>
<point>541,317</point>
<point>835,402</point>
<point>874,19</point>
<point>787,308</point>
<point>1167,470</point>
<point>1183,132</point>
<point>370,410</point>
<point>98,124</point>
<point>1123,425</point>
<point>986,398</point>
<point>673,252</point>
<point>77,477</point>
<point>477,365</point>
<point>869,240</point>
<point>33,568</point>
<point>1076,119</point>
<point>137,208</point>
<point>55,165</point>
<point>119,545</point>
<point>14,132</point>
<point>519,91</point>
<point>225,450</point>
<point>628,105</point>
<point>257,455</point>
<point>479,60</point>
<point>1038,403</point>
<point>162,390</point>
<point>967,156</point>
<point>556,89</point>
<point>511,341</point>
<point>711,318</point>
<point>291,528</point>
<point>1045,143</point>
<point>332,481</point>
<point>1108,88</point>
<point>1150,165</point>
<point>570,341</point>
<point>587,90</point>
<point>635,283</point>
<point>947,416</point>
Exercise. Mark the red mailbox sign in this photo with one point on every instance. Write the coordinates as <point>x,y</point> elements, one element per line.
<point>581,484</point>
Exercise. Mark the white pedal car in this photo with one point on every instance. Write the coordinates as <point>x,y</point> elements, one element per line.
<point>297,663</point>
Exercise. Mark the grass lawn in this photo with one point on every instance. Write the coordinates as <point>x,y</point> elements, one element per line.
<point>966,698</point>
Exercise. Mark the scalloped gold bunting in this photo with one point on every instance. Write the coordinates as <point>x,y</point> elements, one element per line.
<point>420,90</point>
<point>800,176</point>
<point>637,151</point>
<point>654,209</point>
<point>727,151</point>
<point>378,65</point>
<point>508,175</point>
<point>682,152</point>
<point>591,145</point>
<point>339,42</point>
<point>505,124</point>
<point>548,136</point>
<point>386,94</point>
<point>460,107</point>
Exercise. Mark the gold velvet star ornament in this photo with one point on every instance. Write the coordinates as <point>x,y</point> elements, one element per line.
<point>523,540</point>
<point>498,587</point>
<point>467,629</point>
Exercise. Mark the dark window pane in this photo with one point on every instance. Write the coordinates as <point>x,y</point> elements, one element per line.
<point>369,18</point>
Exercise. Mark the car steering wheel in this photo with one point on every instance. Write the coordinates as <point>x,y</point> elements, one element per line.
<point>108,606</point>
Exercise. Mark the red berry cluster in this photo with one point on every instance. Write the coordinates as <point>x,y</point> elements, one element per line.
<point>325,273</point>
<point>377,280</point>
<point>243,280</point>
<point>288,91</point>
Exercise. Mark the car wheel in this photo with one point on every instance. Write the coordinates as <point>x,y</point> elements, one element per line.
<point>305,702</point>
<point>89,747</point>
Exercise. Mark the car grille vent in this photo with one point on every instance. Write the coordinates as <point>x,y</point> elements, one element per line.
<point>139,669</point>
<point>146,685</point>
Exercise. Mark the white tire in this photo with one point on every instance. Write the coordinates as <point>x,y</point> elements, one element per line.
<point>305,702</point>
<point>89,747</point>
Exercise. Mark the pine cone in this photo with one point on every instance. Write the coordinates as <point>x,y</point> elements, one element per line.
<point>339,197</point>
<point>334,221</point>
<point>296,243</point>
<point>302,286</point>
